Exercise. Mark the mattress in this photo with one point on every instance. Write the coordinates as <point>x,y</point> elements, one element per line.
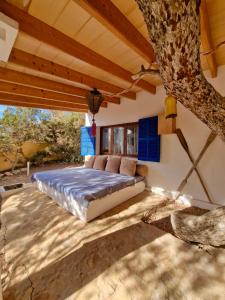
<point>84,184</point>
<point>76,188</point>
<point>94,208</point>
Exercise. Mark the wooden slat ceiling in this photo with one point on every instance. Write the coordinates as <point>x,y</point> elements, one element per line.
<point>216,12</point>
<point>74,21</point>
<point>70,18</point>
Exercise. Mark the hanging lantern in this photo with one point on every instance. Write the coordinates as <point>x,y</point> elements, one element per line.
<point>170,107</point>
<point>94,100</point>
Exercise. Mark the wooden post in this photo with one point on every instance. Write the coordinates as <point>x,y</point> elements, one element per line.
<point>28,168</point>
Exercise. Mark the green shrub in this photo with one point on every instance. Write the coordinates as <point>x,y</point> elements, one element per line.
<point>60,130</point>
<point>38,158</point>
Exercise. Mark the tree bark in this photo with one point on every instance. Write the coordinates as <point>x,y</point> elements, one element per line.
<point>207,229</point>
<point>173,27</point>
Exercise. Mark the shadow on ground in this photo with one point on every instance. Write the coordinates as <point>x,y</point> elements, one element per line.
<point>74,271</point>
<point>49,254</point>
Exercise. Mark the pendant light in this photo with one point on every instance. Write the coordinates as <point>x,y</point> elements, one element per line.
<point>94,100</point>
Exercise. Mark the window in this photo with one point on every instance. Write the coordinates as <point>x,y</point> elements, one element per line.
<point>120,139</point>
<point>105,139</point>
<point>132,140</point>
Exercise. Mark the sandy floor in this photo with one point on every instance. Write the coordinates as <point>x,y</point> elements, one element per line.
<point>49,254</point>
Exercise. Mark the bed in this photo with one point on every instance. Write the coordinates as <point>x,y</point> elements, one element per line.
<point>87,193</point>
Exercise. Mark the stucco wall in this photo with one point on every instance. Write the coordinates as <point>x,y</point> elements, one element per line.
<point>29,149</point>
<point>175,164</point>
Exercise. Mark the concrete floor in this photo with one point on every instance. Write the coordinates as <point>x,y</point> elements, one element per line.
<point>49,254</point>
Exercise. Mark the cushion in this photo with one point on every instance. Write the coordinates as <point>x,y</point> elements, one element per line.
<point>89,162</point>
<point>113,164</point>
<point>100,162</point>
<point>128,166</point>
<point>141,170</point>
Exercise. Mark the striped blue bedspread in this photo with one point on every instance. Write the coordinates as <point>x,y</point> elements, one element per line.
<point>84,184</point>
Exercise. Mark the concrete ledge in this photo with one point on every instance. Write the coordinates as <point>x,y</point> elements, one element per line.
<point>8,190</point>
<point>184,198</point>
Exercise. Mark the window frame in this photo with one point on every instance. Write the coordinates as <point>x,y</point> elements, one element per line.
<point>111,140</point>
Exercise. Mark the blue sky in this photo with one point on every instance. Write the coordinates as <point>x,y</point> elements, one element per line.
<point>2,108</point>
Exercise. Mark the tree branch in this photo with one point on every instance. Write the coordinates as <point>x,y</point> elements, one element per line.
<point>175,37</point>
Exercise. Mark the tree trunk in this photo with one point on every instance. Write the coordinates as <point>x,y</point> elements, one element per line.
<point>173,27</point>
<point>207,229</point>
<point>15,161</point>
<point>6,157</point>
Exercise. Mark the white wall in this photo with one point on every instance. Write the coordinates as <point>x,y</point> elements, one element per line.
<point>175,164</point>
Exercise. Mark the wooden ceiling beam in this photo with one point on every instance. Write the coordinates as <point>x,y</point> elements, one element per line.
<point>112,18</point>
<point>23,4</point>
<point>49,35</point>
<point>45,102</point>
<point>40,106</point>
<point>12,76</point>
<point>206,38</point>
<point>37,63</point>
<point>35,81</point>
<point>15,89</point>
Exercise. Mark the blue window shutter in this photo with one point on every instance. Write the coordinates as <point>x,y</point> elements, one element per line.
<point>144,128</point>
<point>154,148</point>
<point>153,125</point>
<point>149,140</point>
<point>87,142</point>
<point>148,126</point>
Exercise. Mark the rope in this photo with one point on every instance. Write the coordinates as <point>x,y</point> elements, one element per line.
<point>214,49</point>
<point>125,90</point>
<point>137,80</point>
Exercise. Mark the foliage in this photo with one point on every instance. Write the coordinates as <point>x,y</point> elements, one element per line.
<point>63,134</point>
<point>60,130</point>
<point>17,126</point>
<point>39,158</point>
